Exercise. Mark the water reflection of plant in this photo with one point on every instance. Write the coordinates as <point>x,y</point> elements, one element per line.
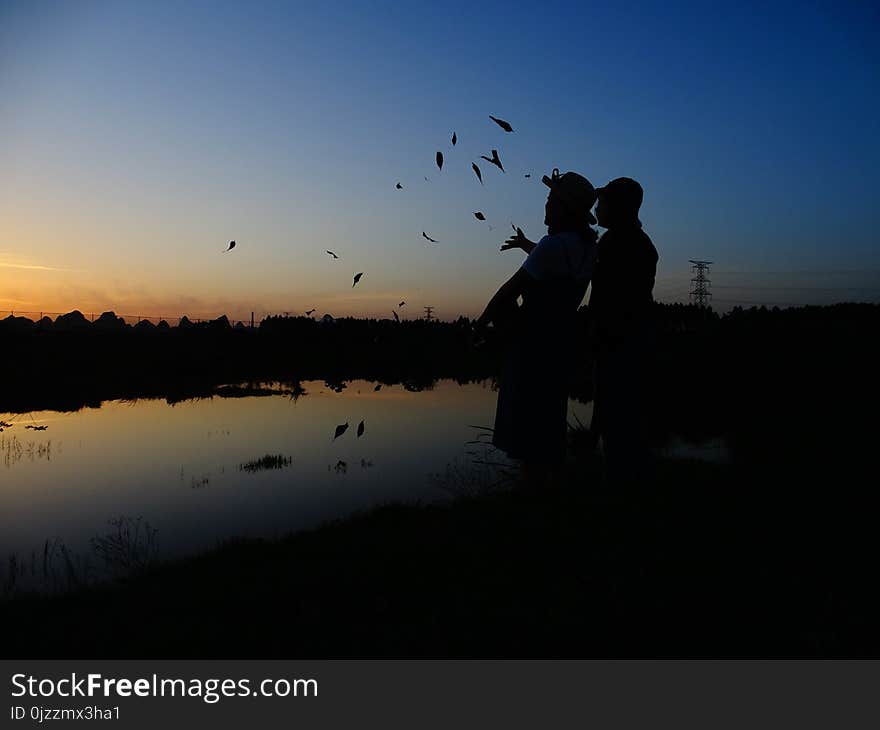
<point>14,450</point>
<point>199,482</point>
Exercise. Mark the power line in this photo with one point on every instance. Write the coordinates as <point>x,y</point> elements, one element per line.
<point>803,272</point>
<point>797,288</point>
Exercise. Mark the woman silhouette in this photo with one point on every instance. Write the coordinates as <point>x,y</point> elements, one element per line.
<point>531,415</point>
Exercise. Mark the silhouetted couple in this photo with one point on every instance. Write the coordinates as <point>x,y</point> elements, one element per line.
<point>531,417</point>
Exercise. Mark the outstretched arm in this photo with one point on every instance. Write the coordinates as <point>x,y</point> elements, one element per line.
<point>505,297</point>
<point>518,240</point>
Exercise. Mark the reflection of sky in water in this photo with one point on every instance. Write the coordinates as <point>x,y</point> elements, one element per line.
<point>143,460</point>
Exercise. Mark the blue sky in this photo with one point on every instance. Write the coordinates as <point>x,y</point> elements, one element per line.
<point>136,139</point>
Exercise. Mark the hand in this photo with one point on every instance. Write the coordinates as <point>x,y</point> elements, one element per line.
<point>518,241</point>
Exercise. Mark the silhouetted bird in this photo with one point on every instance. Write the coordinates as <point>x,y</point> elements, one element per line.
<point>454,139</point>
<point>340,430</point>
<point>399,186</point>
<point>501,123</point>
<point>377,388</point>
<point>401,304</point>
<point>477,172</point>
<point>360,429</point>
<point>231,246</point>
<point>479,216</point>
<point>495,160</point>
<point>396,318</point>
<point>425,235</point>
<point>333,254</point>
<point>310,313</point>
<point>440,160</point>
<point>357,278</point>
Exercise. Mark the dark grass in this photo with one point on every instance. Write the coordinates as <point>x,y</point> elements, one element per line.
<point>774,555</point>
<point>703,563</point>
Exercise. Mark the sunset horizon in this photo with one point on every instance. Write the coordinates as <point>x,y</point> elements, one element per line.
<point>131,158</point>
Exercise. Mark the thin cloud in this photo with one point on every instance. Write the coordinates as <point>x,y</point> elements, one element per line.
<point>32,267</point>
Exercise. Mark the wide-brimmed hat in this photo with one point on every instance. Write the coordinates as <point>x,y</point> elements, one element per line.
<point>574,190</point>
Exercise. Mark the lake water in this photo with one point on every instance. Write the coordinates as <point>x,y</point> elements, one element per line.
<point>180,467</point>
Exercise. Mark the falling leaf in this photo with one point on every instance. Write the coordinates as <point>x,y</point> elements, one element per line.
<point>357,278</point>
<point>479,216</point>
<point>425,235</point>
<point>495,160</point>
<point>440,160</point>
<point>396,318</point>
<point>360,431</point>
<point>477,172</point>
<point>310,313</point>
<point>401,304</point>
<point>501,123</point>
<point>378,387</point>
<point>333,254</point>
<point>231,246</point>
<point>454,139</point>
<point>341,429</point>
<point>399,186</point>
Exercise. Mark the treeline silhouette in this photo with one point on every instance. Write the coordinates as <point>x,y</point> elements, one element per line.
<point>767,378</point>
<point>770,380</point>
<point>71,363</point>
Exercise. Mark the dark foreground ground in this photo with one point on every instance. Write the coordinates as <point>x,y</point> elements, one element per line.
<point>773,555</point>
<point>708,562</point>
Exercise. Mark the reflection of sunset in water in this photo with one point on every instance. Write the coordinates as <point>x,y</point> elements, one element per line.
<point>179,467</point>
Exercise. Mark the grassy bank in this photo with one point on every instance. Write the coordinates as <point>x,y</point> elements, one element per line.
<point>706,562</point>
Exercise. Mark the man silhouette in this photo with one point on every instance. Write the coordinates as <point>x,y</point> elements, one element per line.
<point>620,310</point>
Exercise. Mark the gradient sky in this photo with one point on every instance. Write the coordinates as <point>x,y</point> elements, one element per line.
<point>138,138</point>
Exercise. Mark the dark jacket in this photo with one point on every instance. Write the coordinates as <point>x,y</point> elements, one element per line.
<point>623,283</point>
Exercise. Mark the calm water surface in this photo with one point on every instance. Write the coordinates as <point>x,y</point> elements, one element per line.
<point>179,467</point>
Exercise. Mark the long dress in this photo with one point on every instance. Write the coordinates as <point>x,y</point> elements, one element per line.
<point>532,410</point>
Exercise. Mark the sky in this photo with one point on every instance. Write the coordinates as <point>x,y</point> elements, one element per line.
<point>137,139</point>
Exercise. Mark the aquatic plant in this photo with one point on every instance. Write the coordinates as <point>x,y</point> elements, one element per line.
<point>269,461</point>
<point>129,546</point>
